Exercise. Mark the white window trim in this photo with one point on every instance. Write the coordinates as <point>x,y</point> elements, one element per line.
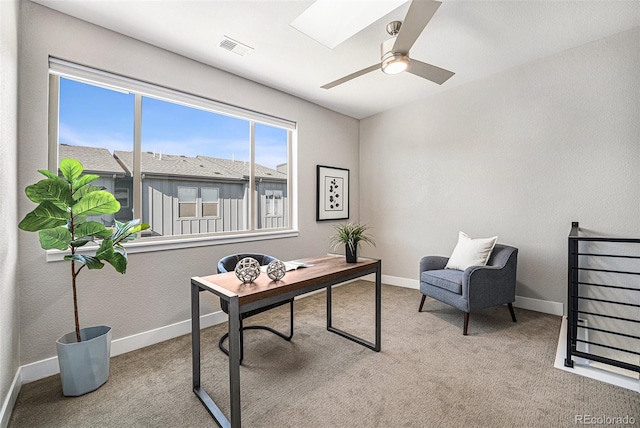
<point>61,68</point>
<point>127,85</point>
<point>189,241</point>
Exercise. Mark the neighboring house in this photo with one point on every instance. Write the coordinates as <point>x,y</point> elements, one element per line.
<point>183,195</point>
<point>271,187</point>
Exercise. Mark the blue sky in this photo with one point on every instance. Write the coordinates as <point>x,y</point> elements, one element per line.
<point>99,117</point>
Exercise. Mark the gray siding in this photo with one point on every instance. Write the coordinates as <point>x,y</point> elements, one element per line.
<point>160,197</point>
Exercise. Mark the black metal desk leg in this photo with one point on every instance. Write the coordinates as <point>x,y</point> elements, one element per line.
<point>195,334</point>
<point>329,308</point>
<point>378,307</point>
<point>234,361</point>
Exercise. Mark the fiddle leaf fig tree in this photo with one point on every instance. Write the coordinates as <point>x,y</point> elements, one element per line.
<point>61,220</point>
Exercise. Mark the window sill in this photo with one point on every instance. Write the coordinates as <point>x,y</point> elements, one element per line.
<point>151,244</point>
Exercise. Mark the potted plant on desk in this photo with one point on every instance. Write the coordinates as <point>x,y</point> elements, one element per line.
<point>350,235</point>
<point>61,222</point>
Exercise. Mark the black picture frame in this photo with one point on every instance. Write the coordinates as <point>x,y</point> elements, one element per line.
<point>332,193</point>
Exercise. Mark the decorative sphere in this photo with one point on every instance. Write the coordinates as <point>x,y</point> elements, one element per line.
<point>276,270</point>
<point>247,269</point>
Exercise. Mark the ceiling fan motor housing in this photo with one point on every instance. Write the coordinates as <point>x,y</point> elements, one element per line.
<point>388,57</point>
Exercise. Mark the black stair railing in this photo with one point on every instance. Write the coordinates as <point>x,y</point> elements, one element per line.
<point>580,301</point>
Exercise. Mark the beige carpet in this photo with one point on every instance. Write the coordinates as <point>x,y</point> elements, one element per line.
<point>427,374</point>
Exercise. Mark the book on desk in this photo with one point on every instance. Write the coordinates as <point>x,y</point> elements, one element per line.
<point>289,266</point>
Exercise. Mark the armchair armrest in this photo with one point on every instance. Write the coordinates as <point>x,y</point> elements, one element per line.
<point>487,286</point>
<point>433,263</point>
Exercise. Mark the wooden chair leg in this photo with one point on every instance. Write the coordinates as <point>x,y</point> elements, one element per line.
<point>465,329</point>
<point>513,314</point>
<point>422,303</point>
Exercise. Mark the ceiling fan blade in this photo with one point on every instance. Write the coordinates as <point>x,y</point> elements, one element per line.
<point>419,14</point>
<point>430,72</point>
<point>351,76</point>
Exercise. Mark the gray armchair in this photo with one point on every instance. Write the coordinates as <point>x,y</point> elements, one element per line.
<point>476,288</point>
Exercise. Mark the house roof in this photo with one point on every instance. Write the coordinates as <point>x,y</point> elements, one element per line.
<point>176,165</point>
<point>94,159</point>
<point>198,167</point>
<point>241,167</point>
<point>100,160</point>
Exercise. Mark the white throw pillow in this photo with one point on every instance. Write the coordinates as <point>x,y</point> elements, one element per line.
<point>471,252</point>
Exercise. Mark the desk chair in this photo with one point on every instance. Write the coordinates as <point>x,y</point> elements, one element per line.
<point>228,264</point>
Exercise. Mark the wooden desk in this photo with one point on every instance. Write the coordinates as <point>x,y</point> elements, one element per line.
<point>325,272</point>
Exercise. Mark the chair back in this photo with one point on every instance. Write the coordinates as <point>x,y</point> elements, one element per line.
<point>228,263</point>
<point>502,254</point>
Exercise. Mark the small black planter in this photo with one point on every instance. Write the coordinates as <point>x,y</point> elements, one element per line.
<point>352,256</point>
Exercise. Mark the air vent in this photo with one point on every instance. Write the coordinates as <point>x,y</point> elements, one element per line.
<point>234,46</point>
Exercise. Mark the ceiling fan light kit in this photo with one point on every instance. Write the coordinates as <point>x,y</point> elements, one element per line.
<point>392,62</point>
<point>395,64</point>
<point>394,52</point>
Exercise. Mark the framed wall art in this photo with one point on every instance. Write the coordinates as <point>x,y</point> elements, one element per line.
<point>332,193</point>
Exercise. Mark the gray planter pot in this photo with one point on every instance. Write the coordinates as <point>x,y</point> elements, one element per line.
<point>84,366</point>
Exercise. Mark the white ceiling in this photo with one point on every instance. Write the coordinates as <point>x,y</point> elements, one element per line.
<point>472,38</point>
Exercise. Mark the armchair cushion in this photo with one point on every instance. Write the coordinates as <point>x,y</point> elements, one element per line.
<point>448,279</point>
<point>470,252</point>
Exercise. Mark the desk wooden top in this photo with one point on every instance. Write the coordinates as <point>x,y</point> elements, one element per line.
<point>324,269</point>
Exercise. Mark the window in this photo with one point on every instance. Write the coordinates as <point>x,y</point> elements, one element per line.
<point>274,202</point>
<point>187,198</point>
<point>122,196</point>
<point>223,169</point>
<point>209,201</point>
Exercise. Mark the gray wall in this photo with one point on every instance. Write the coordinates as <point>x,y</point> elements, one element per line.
<point>9,310</point>
<point>155,290</point>
<point>519,154</point>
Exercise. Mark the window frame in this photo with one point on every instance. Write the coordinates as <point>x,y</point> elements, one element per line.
<point>194,203</point>
<point>217,203</point>
<point>125,190</point>
<point>60,68</point>
<point>273,204</point>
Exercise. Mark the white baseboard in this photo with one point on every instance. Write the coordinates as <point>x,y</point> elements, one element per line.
<point>151,337</point>
<point>537,305</point>
<point>10,399</point>
<point>48,367</point>
<point>584,368</point>
<point>544,306</point>
<point>401,282</point>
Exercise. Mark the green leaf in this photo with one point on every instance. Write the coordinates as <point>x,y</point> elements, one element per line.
<point>118,261</point>
<point>46,216</point>
<point>90,261</point>
<point>51,189</point>
<point>92,228</point>
<point>126,231</point>
<point>84,180</point>
<point>48,174</point>
<point>80,242</point>
<point>84,190</point>
<point>58,238</point>
<point>71,169</point>
<point>100,202</point>
<point>105,252</point>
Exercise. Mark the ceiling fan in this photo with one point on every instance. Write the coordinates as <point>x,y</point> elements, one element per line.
<point>394,52</point>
